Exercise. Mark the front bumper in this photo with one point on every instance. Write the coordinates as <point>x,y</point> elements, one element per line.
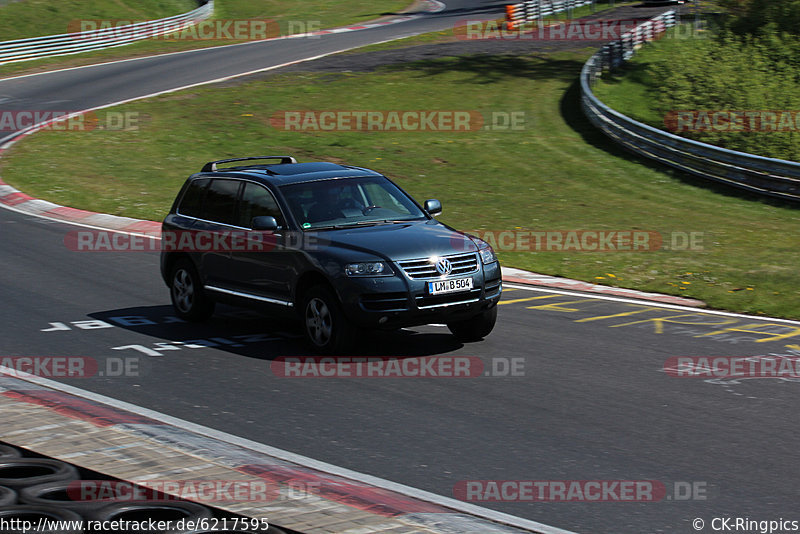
<point>398,301</point>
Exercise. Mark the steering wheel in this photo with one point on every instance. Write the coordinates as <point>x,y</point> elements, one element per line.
<point>350,203</point>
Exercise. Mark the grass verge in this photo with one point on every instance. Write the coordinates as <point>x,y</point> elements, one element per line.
<point>558,173</point>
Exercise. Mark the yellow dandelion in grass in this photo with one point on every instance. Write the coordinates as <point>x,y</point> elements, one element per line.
<point>682,288</point>
<point>611,275</point>
<point>687,283</point>
<point>688,273</point>
<point>246,115</point>
<point>599,277</point>
<point>749,288</point>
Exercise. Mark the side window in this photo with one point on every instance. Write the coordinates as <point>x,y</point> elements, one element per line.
<point>220,202</point>
<point>257,201</point>
<point>192,201</point>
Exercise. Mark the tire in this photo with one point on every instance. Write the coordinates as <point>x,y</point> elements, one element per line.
<point>8,497</point>
<point>31,513</point>
<point>7,451</point>
<point>155,510</point>
<point>476,328</point>
<point>18,473</point>
<point>58,494</point>
<point>325,325</point>
<point>186,292</point>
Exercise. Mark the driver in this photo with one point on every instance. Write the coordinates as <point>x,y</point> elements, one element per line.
<point>325,206</point>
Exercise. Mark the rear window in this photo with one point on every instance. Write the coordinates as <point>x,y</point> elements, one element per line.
<point>192,201</point>
<point>220,201</point>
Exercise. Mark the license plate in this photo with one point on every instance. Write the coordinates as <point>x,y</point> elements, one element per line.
<point>452,285</point>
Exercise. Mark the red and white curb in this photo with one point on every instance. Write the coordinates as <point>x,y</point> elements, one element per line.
<point>519,276</point>
<point>428,6</point>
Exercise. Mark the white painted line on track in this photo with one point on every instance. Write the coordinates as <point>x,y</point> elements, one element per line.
<point>651,303</point>
<point>447,502</point>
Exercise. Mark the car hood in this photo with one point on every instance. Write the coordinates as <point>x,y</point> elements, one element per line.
<point>400,241</point>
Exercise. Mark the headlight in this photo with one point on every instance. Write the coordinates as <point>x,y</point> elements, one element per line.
<point>367,268</point>
<point>485,250</point>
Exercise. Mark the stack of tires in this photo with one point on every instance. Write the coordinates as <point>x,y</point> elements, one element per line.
<point>39,489</point>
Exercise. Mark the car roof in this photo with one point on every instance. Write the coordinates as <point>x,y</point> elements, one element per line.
<point>289,173</point>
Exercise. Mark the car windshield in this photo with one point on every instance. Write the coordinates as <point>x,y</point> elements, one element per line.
<point>349,202</point>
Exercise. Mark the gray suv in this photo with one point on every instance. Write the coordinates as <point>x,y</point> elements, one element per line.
<point>341,247</point>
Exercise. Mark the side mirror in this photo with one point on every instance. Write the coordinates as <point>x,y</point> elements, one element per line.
<point>433,206</point>
<point>264,223</point>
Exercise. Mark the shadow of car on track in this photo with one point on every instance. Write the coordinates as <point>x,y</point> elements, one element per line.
<point>254,335</point>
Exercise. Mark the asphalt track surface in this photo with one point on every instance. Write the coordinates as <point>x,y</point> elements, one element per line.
<point>591,402</point>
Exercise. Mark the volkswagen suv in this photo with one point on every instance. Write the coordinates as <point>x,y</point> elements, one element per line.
<point>341,247</point>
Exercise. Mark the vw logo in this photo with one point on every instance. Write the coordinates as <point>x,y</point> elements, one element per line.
<point>443,266</point>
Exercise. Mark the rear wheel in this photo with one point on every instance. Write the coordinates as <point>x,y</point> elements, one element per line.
<point>476,328</point>
<point>186,291</point>
<point>325,326</point>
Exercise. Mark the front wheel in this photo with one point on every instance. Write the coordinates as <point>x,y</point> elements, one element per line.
<point>326,327</point>
<point>186,291</point>
<point>476,328</point>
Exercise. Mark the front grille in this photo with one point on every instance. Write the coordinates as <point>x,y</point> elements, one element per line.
<point>426,267</point>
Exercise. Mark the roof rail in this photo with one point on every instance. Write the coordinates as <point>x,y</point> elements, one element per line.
<point>211,166</point>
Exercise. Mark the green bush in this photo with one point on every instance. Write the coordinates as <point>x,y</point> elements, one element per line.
<point>760,17</point>
<point>727,72</point>
<point>731,73</point>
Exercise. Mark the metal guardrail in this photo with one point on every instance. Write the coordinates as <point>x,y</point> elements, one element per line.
<point>532,10</point>
<point>767,176</point>
<point>77,42</point>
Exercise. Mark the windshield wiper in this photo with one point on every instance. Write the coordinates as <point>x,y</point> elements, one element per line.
<point>348,225</point>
